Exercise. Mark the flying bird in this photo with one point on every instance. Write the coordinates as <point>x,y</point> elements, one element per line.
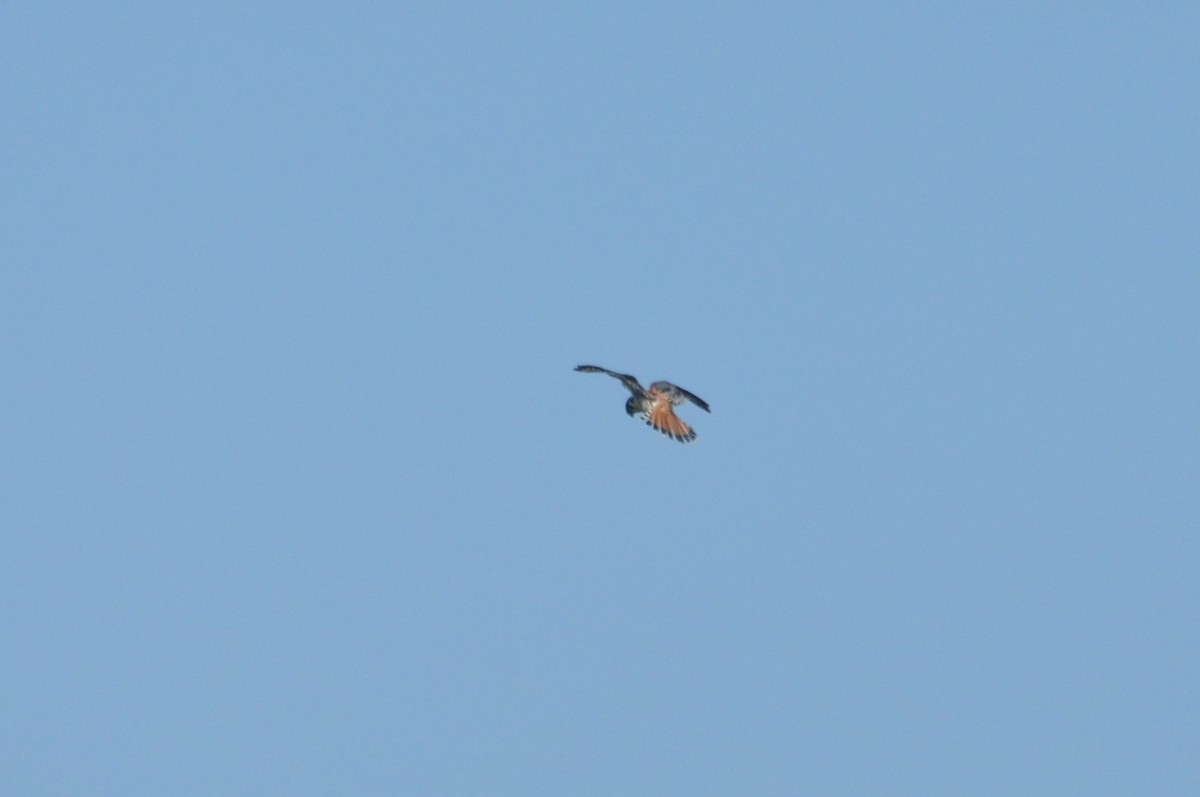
<point>654,403</point>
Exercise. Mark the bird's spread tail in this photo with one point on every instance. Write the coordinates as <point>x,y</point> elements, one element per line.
<point>664,420</point>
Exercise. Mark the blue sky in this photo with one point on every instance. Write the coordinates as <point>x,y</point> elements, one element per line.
<point>301,494</point>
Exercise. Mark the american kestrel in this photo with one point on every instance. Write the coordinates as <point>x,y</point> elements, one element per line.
<point>655,403</point>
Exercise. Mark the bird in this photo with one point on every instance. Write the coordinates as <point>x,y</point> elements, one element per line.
<point>655,403</point>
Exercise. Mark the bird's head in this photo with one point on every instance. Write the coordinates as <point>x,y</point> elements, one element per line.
<point>631,406</point>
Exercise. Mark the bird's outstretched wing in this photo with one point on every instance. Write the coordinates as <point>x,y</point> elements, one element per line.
<point>675,394</point>
<point>630,382</point>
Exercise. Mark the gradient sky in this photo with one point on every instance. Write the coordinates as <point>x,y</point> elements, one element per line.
<point>300,495</point>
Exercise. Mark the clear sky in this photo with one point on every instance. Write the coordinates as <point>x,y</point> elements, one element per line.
<point>300,494</point>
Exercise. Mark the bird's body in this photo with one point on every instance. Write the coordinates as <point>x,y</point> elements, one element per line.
<point>655,403</point>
